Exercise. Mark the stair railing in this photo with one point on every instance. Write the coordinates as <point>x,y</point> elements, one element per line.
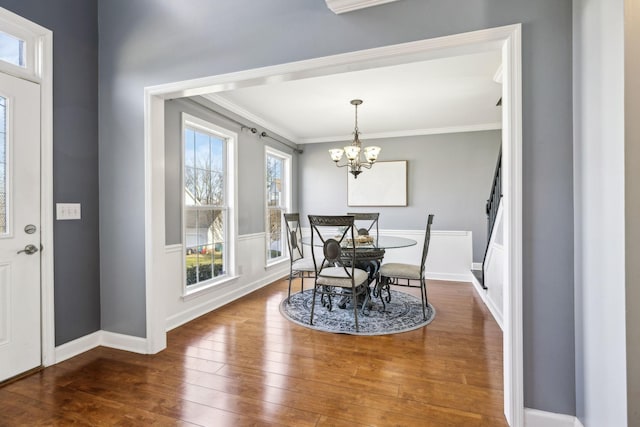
<point>493,203</point>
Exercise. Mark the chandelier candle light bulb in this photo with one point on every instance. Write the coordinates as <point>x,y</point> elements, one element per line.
<point>353,151</point>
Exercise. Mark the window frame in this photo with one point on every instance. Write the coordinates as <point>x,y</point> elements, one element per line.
<point>33,48</point>
<point>230,228</point>
<point>285,202</point>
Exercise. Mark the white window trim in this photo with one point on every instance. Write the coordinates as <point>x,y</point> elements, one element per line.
<point>33,49</point>
<point>231,197</point>
<point>286,206</point>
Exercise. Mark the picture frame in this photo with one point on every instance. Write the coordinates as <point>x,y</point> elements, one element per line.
<point>385,184</point>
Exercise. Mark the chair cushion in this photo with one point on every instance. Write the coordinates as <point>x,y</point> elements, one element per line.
<point>402,271</point>
<point>336,276</point>
<point>303,264</point>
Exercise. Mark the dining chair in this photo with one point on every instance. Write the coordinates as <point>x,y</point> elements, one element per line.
<point>335,268</point>
<point>399,274</point>
<point>299,266</point>
<point>370,220</point>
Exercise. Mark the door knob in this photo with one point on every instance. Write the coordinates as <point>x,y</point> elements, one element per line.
<point>29,250</point>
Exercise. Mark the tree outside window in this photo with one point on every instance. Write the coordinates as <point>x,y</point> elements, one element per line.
<point>205,213</point>
<point>278,197</point>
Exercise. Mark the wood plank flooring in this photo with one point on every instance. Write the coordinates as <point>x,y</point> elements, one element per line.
<point>245,365</point>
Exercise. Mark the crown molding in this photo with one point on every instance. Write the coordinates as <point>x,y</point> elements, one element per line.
<point>403,133</point>
<point>343,6</point>
<point>261,122</point>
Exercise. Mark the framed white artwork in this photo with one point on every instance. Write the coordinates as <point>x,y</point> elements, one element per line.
<point>385,184</point>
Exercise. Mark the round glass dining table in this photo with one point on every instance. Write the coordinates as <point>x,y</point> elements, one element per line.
<point>368,258</point>
<point>369,255</point>
<point>382,242</point>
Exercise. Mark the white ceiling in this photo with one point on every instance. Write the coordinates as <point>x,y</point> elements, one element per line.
<point>453,94</point>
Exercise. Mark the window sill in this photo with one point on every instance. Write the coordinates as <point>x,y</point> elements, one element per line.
<point>278,263</point>
<point>190,294</point>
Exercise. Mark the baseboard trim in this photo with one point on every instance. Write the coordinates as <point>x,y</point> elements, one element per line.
<point>124,342</point>
<point>188,315</point>
<point>476,266</point>
<point>100,338</point>
<point>139,345</point>
<point>537,418</point>
<point>77,346</point>
<point>449,277</point>
<point>487,302</point>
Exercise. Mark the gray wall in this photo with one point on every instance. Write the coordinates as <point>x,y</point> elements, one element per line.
<point>449,175</point>
<point>148,42</point>
<point>75,158</point>
<point>251,185</point>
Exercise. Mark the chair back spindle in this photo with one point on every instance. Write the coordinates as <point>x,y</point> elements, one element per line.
<point>298,265</point>
<point>401,274</point>
<point>425,247</point>
<point>294,236</point>
<point>370,220</point>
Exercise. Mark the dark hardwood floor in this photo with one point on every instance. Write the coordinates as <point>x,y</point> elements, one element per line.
<point>245,365</point>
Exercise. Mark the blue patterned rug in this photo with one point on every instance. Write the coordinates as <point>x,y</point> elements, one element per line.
<point>402,314</point>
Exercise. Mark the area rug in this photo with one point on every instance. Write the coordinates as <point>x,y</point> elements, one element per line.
<point>402,314</point>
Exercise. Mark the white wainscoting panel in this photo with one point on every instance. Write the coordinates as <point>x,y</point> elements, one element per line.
<point>251,275</point>
<point>494,278</point>
<point>494,281</point>
<point>450,253</point>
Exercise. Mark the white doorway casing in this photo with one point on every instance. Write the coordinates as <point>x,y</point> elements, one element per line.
<point>39,70</point>
<point>507,38</point>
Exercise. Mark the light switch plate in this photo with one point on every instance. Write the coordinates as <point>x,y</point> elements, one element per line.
<point>65,211</point>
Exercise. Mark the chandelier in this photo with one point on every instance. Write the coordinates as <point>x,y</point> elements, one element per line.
<point>353,151</point>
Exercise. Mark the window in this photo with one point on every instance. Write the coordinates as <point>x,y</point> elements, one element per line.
<point>278,196</point>
<point>208,217</point>
<point>20,44</point>
<point>12,50</point>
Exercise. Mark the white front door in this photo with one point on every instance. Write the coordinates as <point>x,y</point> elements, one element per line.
<point>20,325</point>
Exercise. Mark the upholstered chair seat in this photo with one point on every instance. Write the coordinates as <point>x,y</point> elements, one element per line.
<point>336,276</point>
<point>303,264</point>
<point>401,271</point>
